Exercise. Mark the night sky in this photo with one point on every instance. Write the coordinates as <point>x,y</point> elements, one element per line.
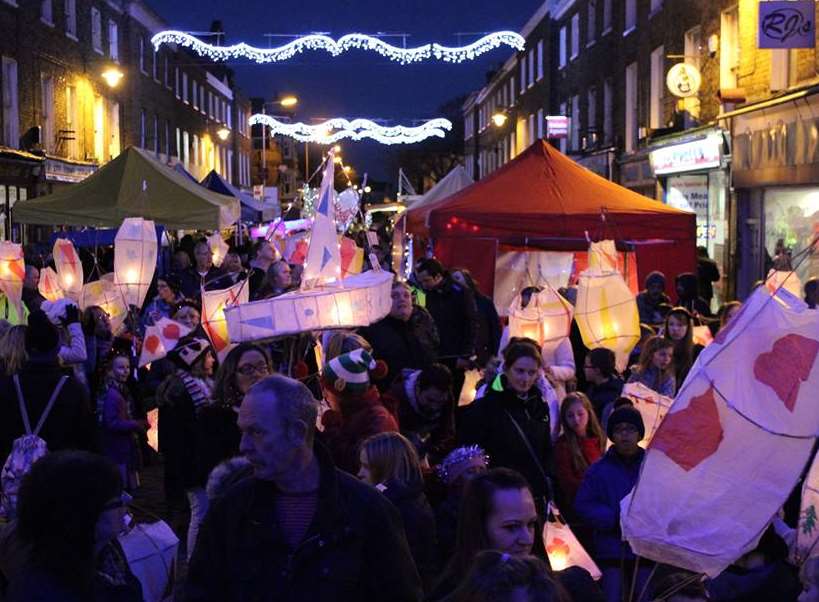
<point>357,83</point>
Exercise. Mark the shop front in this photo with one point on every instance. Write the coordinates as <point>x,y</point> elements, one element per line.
<point>692,173</point>
<point>776,177</point>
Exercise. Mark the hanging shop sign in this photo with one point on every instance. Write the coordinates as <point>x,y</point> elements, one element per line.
<point>683,80</point>
<point>689,156</point>
<point>557,126</point>
<point>787,24</point>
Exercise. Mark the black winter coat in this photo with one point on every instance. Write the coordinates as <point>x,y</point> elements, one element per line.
<point>354,550</point>
<point>456,315</point>
<point>605,393</point>
<point>488,422</point>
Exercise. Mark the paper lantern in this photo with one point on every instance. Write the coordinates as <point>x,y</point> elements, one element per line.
<point>652,406</point>
<point>606,313</point>
<point>151,552</point>
<point>562,547</point>
<point>49,285</point>
<point>105,294</point>
<point>12,273</point>
<point>352,257</point>
<point>213,314</point>
<point>603,256</point>
<point>357,301</point>
<point>69,268</point>
<point>547,319</point>
<point>135,258</point>
<point>159,339</point>
<point>218,248</point>
<point>702,336</point>
<point>153,428</point>
<point>787,280</point>
<point>470,387</point>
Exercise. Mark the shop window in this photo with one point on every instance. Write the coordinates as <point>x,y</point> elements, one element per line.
<point>657,87</point>
<point>792,217</point>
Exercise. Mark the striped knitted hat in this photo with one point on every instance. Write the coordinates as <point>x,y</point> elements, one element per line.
<point>349,373</point>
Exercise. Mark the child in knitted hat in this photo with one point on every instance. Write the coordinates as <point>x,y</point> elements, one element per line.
<point>358,410</point>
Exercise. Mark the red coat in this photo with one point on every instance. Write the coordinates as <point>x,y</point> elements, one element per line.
<point>357,418</point>
<point>568,478</point>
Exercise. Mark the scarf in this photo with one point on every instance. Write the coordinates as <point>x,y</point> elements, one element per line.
<point>199,389</point>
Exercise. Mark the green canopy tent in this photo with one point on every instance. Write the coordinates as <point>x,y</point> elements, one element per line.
<point>132,185</point>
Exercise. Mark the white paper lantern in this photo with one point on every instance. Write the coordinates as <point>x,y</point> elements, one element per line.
<point>49,285</point>
<point>12,273</point>
<point>105,294</point>
<point>213,314</point>
<point>69,268</point>
<point>606,313</point>
<point>563,548</point>
<point>135,258</point>
<point>218,248</point>
<point>547,319</point>
<point>603,256</point>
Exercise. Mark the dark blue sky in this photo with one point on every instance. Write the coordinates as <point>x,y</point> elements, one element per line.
<point>357,84</point>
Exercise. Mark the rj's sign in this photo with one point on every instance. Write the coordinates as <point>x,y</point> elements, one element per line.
<point>787,24</point>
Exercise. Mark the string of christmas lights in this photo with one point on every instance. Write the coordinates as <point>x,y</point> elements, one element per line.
<point>333,130</point>
<point>360,41</point>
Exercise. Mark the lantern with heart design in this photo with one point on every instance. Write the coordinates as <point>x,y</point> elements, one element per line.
<point>546,318</point>
<point>562,547</point>
<point>12,273</point>
<point>135,258</point>
<point>49,285</point>
<point>69,268</point>
<point>161,338</point>
<point>106,295</point>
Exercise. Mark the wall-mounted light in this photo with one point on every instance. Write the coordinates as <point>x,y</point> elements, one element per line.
<point>112,76</point>
<point>223,133</point>
<point>499,119</point>
<point>713,44</point>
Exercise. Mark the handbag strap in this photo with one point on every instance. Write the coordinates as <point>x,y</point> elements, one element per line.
<point>46,411</point>
<point>529,448</point>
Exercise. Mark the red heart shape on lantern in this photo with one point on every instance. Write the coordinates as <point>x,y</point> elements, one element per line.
<point>151,343</point>
<point>171,331</point>
<point>786,366</point>
<point>558,546</point>
<point>691,435</point>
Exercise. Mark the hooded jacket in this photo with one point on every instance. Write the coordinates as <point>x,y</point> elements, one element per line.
<point>355,548</point>
<point>688,294</point>
<point>456,316</point>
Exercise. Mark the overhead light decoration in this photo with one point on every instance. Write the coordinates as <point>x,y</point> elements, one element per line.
<point>352,41</point>
<point>333,130</point>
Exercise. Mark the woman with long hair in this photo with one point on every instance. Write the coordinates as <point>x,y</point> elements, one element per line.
<point>71,509</point>
<point>581,443</point>
<point>13,349</point>
<point>727,312</point>
<point>389,462</point>
<point>679,328</point>
<point>656,367</point>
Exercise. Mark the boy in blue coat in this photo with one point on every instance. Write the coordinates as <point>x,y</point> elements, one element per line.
<point>597,504</point>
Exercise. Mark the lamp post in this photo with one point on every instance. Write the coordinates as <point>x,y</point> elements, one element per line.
<point>287,102</point>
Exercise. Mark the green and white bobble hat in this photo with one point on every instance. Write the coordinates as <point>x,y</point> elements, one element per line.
<point>349,373</point>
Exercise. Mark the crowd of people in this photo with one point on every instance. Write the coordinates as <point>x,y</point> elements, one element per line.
<point>355,476</point>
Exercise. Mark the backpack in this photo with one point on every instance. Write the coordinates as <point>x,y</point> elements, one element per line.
<point>25,451</point>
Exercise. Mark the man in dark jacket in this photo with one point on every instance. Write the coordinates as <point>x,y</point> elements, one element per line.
<point>604,384</point>
<point>456,315</point>
<point>31,294</point>
<point>203,274</point>
<point>70,423</point>
<point>707,274</point>
<point>406,339</point>
<point>652,302</point>
<point>688,295</point>
<point>299,529</point>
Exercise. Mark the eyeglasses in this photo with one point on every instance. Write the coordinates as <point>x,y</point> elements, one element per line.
<point>250,369</point>
<point>624,428</point>
<point>124,499</point>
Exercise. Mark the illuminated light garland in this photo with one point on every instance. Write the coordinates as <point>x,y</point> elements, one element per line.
<point>359,41</point>
<point>333,130</point>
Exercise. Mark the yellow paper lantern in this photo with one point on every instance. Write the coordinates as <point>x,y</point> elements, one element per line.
<point>135,258</point>
<point>603,256</point>
<point>547,318</point>
<point>12,273</point>
<point>606,313</point>
<point>218,248</point>
<point>106,295</point>
<point>69,268</point>
<point>49,285</point>
<point>787,280</point>
<point>213,314</point>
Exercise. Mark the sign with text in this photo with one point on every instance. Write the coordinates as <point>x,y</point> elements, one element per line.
<point>690,193</point>
<point>787,24</point>
<point>557,126</point>
<point>689,156</point>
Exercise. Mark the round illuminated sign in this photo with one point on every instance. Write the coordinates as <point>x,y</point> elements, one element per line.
<point>683,80</point>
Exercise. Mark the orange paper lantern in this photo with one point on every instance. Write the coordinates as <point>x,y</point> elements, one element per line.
<point>213,314</point>
<point>49,285</point>
<point>12,273</point>
<point>69,268</point>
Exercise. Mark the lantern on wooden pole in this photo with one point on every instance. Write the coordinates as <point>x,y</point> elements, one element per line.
<point>69,268</point>
<point>135,259</point>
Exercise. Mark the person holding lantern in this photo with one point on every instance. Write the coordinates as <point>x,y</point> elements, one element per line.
<point>203,274</point>
<point>656,368</point>
<point>277,281</point>
<point>679,329</point>
<point>263,257</point>
<point>164,304</point>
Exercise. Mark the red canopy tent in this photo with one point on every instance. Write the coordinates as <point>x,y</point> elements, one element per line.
<point>544,200</point>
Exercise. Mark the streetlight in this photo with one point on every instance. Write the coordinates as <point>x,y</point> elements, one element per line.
<point>288,101</point>
<point>223,133</point>
<point>112,76</point>
<point>499,119</point>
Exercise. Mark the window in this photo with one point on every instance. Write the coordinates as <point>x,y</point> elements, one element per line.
<point>167,73</point>
<point>511,90</point>
<point>99,129</point>
<point>657,85</point>
<point>656,6</point>
<point>631,108</point>
<point>523,74</point>
<point>184,87</point>
<point>113,40</point>
<point>167,139</point>
<point>530,133</point>
<point>212,107</point>
<point>729,48</point>
<point>185,152</point>
<point>47,107</point>
<point>11,107</point>
<point>562,50</point>
<point>631,16</point>
<point>531,68</point>
<point>156,134</point>
<point>142,128</point>
<point>608,108</point>
<point>176,80</point>
<point>575,123</point>
<point>575,35</point>
<point>591,115</point>
<point>229,116</point>
<point>563,141</point>
<point>539,60</point>
<point>178,149</point>
<point>195,149</point>
<point>113,124</point>
<point>591,23</point>
<point>606,16</point>
<point>780,69</point>
<point>194,95</point>
<point>96,30</point>
<point>693,43</point>
<point>72,125</point>
<point>47,12</point>
<point>154,68</point>
<point>202,99</point>
<point>540,121</point>
<point>142,55</point>
<point>71,18</point>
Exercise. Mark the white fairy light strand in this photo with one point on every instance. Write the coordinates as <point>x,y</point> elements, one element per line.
<point>360,41</point>
<point>333,130</point>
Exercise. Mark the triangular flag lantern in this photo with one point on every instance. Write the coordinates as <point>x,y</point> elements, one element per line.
<point>606,313</point>
<point>135,258</point>
<point>787,280</point>
<point>49,285</point>
<point>218,248</point>
<point>12,273</point>
<point>69,268</point>
<point>161,338</point>
<point>547,319</point>
<point>105,294</point>
<point>323,263</point>
<point>213,314</point>
<point>562,547</point>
